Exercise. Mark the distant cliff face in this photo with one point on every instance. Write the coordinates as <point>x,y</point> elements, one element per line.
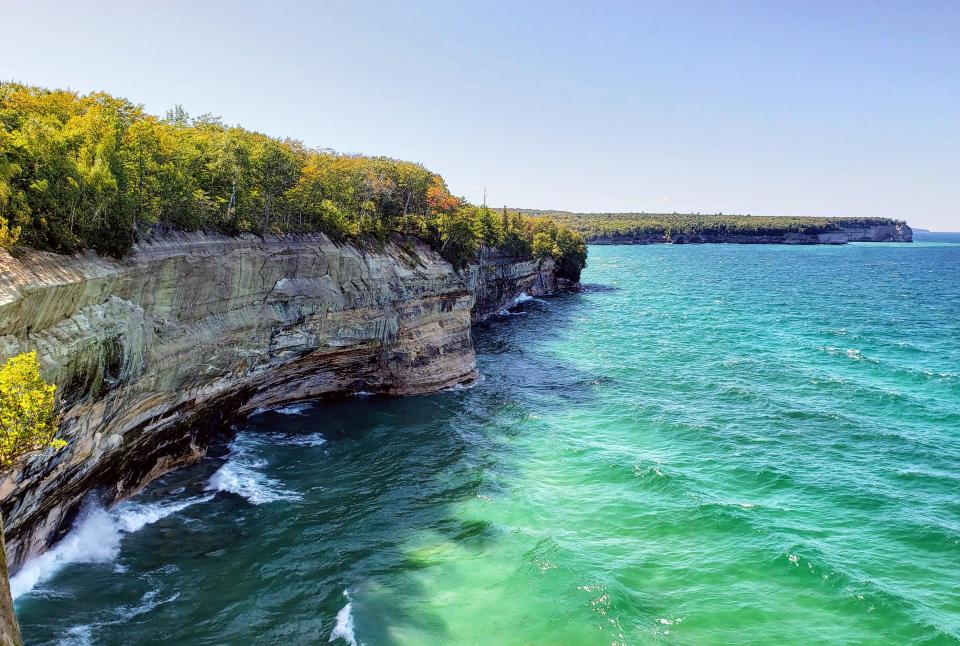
<point>152,354</point>
<point>898,232</point>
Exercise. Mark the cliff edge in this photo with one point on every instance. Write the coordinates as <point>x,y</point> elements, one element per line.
<point>152,355</point>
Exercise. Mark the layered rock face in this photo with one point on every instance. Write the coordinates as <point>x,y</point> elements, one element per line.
<point>888,233</point>
<point>152,355</point>
<point>499,278</point>
<point>882,233</point>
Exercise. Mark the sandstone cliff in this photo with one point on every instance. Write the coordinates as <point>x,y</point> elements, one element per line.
<point>881,233</point>
<point>153,354</point>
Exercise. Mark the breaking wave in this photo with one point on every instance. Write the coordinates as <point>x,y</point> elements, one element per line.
<point>95,538</point>
<point>243,475</point>
<point>344,627</point>
<point>523,297</point>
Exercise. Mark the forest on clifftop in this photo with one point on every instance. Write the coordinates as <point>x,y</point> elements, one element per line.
<point>604,225</point>
<point>96,171</point>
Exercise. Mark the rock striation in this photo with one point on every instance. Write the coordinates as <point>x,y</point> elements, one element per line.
<point>155,354</point>
<point>897,232</point>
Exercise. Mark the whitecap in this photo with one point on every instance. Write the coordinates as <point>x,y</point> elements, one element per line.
<point>95,538</point>
<point>242,475</point>
<point>344,628</point>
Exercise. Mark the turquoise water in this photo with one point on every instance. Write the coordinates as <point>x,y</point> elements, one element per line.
<point>710,444</point>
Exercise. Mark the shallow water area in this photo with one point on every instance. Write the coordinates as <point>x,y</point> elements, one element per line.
<point>708,444</point>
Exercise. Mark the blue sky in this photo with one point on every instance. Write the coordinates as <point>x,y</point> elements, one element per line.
<point>805,108</point>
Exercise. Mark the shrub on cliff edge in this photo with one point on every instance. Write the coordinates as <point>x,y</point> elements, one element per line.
<point>28,420</point>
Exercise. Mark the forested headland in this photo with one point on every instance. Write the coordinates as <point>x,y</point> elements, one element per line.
<point>594,226</point>
<point>95,171</point>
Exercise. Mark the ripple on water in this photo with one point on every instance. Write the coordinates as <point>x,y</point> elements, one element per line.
<point>697,448</point>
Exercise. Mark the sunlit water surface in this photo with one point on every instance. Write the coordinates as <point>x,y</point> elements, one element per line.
<point>710,444</point>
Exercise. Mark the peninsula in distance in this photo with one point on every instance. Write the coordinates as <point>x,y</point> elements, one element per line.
<point>689,228</point>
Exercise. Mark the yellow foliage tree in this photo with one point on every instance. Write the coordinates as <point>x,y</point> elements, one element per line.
<point>28,420</point>
<point>8,235</point>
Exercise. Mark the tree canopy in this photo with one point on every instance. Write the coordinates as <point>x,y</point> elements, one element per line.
<point>96,171</point>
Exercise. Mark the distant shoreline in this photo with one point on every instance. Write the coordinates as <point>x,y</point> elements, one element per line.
<point>695,228</point>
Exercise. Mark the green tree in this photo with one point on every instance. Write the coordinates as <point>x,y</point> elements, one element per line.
<point>570,252</point>
<point>486,227</point>
<point>460,242</point>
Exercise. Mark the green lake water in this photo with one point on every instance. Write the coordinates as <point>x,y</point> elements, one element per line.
<point>716,444</point>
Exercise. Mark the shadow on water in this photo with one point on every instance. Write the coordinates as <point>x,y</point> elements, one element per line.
<point>354,497</point>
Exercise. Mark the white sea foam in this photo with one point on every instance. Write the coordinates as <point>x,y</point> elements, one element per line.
<point>297,439</point>
<point>77,636</point>
<point>293,409</point>
<point>344,628</point>
<point>95,538</point>
<point>243,475</point>
<point>289,409</point>
<point>523,297</point>
<point>147,603</point>
<point>83,634</point>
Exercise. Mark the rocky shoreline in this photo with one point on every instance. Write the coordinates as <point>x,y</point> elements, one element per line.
<point>156,354</point>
